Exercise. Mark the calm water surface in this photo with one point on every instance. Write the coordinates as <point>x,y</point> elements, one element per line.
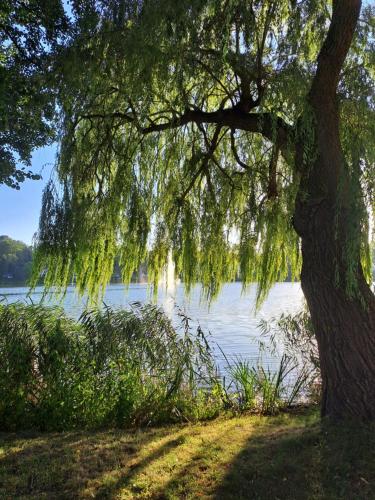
<point>230,319</point>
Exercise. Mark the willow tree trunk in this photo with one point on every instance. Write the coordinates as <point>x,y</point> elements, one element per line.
<point>344,325</point>
<point>341,303</point>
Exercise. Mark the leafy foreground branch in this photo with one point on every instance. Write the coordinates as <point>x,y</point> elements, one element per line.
<point>123,368</point>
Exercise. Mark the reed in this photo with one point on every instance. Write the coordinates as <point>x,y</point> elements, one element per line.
<point>111,367</point>
<point>125,367</point>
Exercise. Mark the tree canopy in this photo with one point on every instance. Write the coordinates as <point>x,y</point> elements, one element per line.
<point>178,129</point>
<point>29,31</point>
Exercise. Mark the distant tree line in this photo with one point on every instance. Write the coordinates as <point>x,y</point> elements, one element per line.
<point>15,261</point>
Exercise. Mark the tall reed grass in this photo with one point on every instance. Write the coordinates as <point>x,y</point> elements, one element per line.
<point>122,368</point>
<point>112,367</point>
<point>261,389</point>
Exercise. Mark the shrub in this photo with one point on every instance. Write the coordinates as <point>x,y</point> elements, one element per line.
<point>112,367</point>
<point>40,353</point>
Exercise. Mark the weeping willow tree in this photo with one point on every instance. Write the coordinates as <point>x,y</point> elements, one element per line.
<point>236,136</point>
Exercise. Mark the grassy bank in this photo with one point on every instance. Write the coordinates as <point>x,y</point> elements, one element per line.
<point>290,456</point>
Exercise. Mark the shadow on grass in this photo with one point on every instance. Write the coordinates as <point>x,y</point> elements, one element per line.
<point>325,461</point>
<point>230,459</point>
<point>76,465</point>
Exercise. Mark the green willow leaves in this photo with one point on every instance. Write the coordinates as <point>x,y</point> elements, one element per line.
<point>178,127</point>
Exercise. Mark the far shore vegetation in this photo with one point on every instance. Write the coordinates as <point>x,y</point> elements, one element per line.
<point>16,263</point>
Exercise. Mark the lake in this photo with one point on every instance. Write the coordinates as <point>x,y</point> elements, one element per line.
<point>230,319</point>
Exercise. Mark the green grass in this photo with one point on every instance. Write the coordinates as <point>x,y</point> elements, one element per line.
<point>290,456</point>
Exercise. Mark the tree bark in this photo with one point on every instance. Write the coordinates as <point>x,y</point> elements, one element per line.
<point>344,325</point>
<point>326,218</point>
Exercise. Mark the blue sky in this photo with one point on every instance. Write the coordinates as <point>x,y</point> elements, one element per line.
<point>19,210</point>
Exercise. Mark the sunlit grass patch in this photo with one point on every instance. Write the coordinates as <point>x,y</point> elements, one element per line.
<point>289,456</point>
<point>182,461</point>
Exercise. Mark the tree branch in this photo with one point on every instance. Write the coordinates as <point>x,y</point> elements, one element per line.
<point>206,158</point>
<point>106,116</point>
<point>272,127</point>
<point>332,55</point>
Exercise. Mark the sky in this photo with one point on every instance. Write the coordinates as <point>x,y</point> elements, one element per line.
<point>19,210</point>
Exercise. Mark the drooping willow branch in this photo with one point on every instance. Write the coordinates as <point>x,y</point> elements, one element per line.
<point>271,126</point>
